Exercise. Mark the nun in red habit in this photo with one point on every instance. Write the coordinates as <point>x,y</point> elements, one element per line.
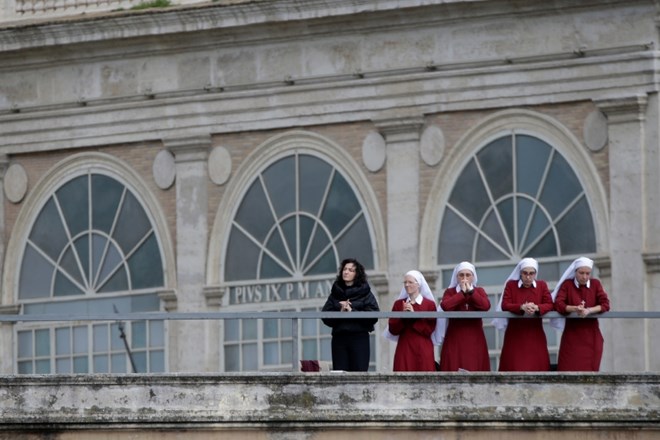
<point>581,346</point>
<point>414,347</point>
<point>525,347</point>
<point>464,346</point>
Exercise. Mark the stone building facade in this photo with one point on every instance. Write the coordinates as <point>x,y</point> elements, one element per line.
<point>227,156</point>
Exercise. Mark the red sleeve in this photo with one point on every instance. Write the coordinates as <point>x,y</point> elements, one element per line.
<point>546,298</point>
<point>397,325</point>
<point>602,298</point>
<point>507,301</point>
<point>479,299</point>
<point>562,296</point>
<point>452,300</point>
<point>425,326</point>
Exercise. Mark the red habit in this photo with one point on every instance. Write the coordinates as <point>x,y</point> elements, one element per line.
<point>465,344</point>
<point>414,349</point>
<point>581,347</point>
<point>525,347</point>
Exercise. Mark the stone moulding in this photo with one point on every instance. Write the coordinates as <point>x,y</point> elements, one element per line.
<point>546,401</point>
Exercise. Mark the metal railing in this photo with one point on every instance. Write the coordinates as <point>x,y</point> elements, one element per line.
<point>296,316</point>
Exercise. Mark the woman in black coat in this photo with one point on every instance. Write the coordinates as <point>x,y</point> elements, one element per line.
<point>350,337</point>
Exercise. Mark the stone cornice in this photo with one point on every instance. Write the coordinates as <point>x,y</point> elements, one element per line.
<point>652,261</point>
<point>623,110</point>
<point>189,149</point>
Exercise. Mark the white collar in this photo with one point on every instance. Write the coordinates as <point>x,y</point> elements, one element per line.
<point>520,283</point>
<point>575,281</point>
<point>418,300</point>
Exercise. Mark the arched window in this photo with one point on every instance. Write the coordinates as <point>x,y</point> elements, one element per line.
<point>297,220</point>
<point>516,197</point>
<point>91,249</point>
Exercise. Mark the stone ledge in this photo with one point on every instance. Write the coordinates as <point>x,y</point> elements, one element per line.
<point>337,400</point>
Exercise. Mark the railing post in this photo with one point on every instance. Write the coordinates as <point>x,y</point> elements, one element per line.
<point>295,359</point>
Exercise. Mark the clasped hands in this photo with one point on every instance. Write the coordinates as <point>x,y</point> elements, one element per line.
<point>529,308</point>
<point>581,310</point>
<point>346,306</point>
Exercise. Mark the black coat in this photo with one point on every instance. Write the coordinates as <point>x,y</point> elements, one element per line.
<point>362,300</point>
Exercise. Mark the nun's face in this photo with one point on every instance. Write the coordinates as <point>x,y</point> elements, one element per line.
<point>582,275</point>
<point>411,285</point>
<point>527,276</point>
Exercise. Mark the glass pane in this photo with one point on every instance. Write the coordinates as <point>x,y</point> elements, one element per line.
<point>69,264</point>
<point>276,246</point>
<point>547,247</point>
<point>320,243</point>
<point>62,341</point>
<point>111,258</point>
<point>469,195</point>
<point>340,206</point>
<point>309,327</point>
<point>48,233</point>
<point>279,179</point>
<point>146,265</point>
<point>250,360</point>
<point>100,337</point>
<point>231,329</point>
<point>156,334</point>
<point>326,349</point>
<point>575,229</point>
<point>42,366</point>
<point>496,162</point>
<point>36,275</point>
<point>42,343</point>
<point>80,364</point>
<point>314,176</point>
<point>561,186</point>
<point>80,344</point>
<point>327,264</point>
<point>271,353</point>
<point>456,238</point>
<point>357,243</point>
<point>25,367</point>
<point>271,330</point>
<point>106,194</point>
<point>25,344</point>
<point>73,198</point>
<point>286,326</point>
<point>118,363</point>
<point>232,357</point>
<point>242,257</point>
<point>132,225</point>
<point>309,349</point>
<point>63,366</point>
<point>116,343</point>
<point>487,252</point>
<point>493,229</point>
<point>249,329</point>
<point>101,364</point>
<point>157,361</point>
<point>272,269</point>
<point>140,359</point>
<point>117,282</point>
<point>505,210</point>
<point>532,157</point>
<point>139,335</point>
<point>538,226</point>
<point>254,214</point>
<point>64,286</point>
<point>287,352</point>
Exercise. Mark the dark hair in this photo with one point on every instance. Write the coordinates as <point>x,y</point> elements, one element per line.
<point>360,274</point>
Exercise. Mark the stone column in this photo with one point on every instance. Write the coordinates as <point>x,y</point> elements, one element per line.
<point>402,136</point>
<point>627,208</point>
<point>192,337</point>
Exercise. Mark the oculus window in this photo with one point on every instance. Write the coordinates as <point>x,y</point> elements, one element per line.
<point>91,249</point>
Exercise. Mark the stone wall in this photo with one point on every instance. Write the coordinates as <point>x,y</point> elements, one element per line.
<point>331,405</point>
